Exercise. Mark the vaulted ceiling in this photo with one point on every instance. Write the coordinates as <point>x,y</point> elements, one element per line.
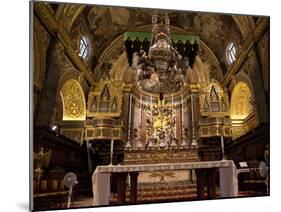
<point>105,24</point>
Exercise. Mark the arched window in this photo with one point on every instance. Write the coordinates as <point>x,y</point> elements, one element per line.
<point>231,51</point>
<point>84,47</point>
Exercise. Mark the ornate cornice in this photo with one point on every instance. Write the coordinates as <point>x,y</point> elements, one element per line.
<point>47,17</point>
<point>251,40</point>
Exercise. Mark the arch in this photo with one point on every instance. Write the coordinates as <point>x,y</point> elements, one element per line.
<point>66,14</point>
<point>243,111</point>
<point>242,77</point>
<point>245,24</point>
<point>73,101</point>
<point>121,70</point>
<point>240,104</point>
<point>71,73</point>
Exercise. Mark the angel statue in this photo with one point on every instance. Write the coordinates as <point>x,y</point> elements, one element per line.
<point>144,68</point>
<point>41,162</point>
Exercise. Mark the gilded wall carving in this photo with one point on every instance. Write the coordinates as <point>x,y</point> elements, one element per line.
<point>241,99</point>
<point>67,13</point>
<point>242,110</point>
<point>74,107</point>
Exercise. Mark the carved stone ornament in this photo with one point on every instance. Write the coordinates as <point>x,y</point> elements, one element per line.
<point>73,101</point>
<point>163,69</point>
<point>59,57</point>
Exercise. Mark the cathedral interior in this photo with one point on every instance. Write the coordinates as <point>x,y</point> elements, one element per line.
<point>143,88</point>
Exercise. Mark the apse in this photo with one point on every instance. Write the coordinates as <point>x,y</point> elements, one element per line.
<point>139,105</point>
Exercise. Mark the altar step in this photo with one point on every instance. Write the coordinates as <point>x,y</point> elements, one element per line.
<point>157,192</point>
<point>144,196</point>
<point>162,192</point>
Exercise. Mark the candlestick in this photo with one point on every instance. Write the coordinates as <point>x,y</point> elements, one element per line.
<point>182,124</point>
<point>182,110</point>
<point>140,109</point>
<point>194,142</point>
<point>192,116</point>
<point>222,147</point>
<point>151,108</point>
<point>111,151</point>
<point>139,145</point>
<point>128,144</point>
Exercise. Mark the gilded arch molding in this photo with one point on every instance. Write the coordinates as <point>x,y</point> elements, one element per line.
<point>245,24</point>
<point>67,13</point>
<point>242,77</point>
<point>71,73</point>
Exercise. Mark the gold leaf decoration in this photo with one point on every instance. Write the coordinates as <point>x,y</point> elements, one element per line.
<point>73,99</point>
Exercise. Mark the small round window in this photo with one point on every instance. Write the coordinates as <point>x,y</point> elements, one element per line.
<point>231,51</point>
<point>84,47</point>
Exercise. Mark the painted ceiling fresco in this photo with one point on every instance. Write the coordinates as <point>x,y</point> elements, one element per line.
<point>105,24</point>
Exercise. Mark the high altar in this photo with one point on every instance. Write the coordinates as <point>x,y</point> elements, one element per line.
<point>163,117</point>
